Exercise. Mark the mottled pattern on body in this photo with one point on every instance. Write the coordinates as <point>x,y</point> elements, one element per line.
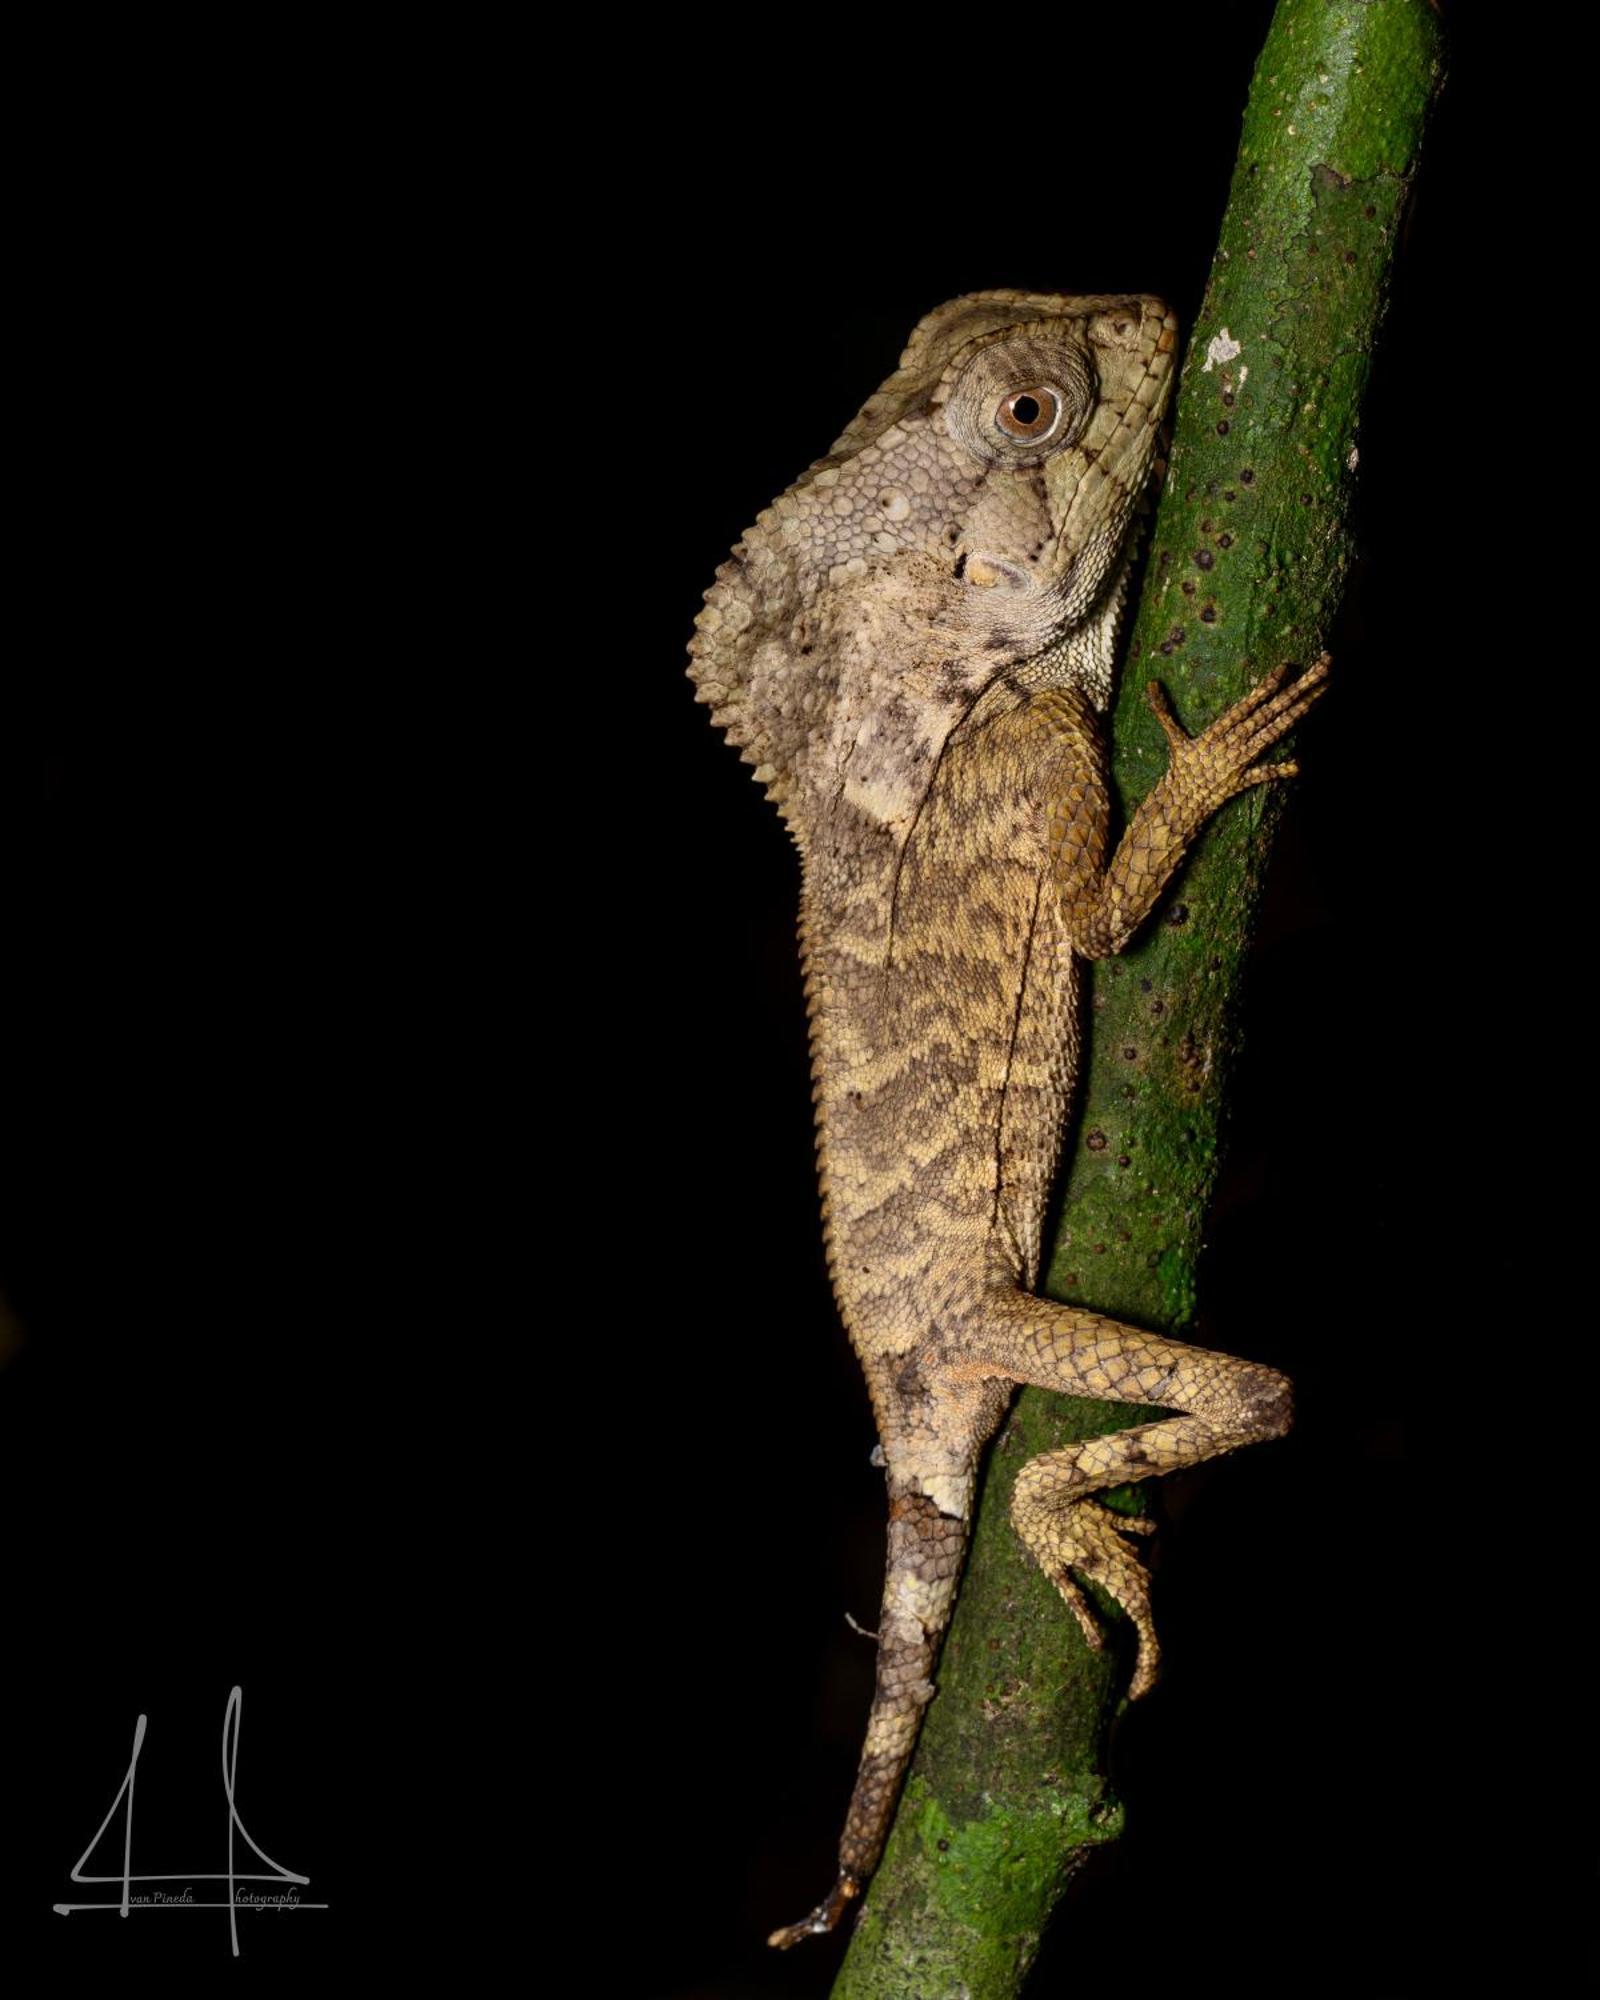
<point>914,648</point>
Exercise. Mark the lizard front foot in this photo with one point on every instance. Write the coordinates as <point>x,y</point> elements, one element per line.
<point>824,1917</point>
<point>1222,759</point>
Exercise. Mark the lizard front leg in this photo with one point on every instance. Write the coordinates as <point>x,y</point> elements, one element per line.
<point>1105,906</point>
<point>1223,1403</point>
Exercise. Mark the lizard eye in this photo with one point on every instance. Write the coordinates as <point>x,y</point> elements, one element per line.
<point>1030,414</point>
<point>1018,399</point>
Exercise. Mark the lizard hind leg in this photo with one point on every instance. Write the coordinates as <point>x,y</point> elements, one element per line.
<point>1222,1403</point>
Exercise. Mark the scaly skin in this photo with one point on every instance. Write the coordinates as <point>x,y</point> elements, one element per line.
<point>914,647</point>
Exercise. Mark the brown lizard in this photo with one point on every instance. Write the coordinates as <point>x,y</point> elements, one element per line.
<point>914,648</point>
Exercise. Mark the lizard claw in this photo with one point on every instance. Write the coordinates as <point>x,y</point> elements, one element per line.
<point>1270,709</point>
<point>1160,705</point>
<point>824,1917</point>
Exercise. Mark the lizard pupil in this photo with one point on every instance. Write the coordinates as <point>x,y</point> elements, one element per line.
<point>1029,414</point>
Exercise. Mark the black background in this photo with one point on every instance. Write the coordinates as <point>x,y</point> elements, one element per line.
<point>407,1216</point>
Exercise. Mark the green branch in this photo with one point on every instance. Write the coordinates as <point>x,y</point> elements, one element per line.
<point>1007,1795</point>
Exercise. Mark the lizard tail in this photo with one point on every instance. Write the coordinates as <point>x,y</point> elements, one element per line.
<point>926,1550</point>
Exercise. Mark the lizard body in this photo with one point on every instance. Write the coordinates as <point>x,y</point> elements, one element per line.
<point>914,647</point>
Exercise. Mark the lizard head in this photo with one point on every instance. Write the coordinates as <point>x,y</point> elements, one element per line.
<point>971,521</point>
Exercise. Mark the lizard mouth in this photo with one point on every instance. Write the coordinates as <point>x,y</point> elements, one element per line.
<point>1103,560</point>
<point>1098,487</point>
<point>1091,592</point>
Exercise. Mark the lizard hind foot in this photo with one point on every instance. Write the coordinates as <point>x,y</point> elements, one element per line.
<point>824,1917</point>
<point>1084,1537</point>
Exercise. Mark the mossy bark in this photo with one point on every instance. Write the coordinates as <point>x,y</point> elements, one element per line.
<point>1007,1795</point>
